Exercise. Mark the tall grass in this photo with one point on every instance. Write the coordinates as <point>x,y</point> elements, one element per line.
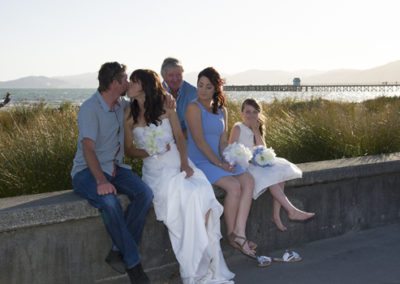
<point>37,146</point>
<point>38,143</point>
<point>323,130</point>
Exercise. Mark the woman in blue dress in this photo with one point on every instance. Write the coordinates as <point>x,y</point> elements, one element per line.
<point>207,121</point>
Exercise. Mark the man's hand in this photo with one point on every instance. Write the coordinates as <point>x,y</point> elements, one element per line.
<point>106,188</point>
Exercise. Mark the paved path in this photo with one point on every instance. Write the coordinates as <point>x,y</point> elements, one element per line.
<point>370,256</point>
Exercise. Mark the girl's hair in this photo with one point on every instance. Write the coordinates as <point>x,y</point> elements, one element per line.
<point>218,97</point>
<point>258,108</point>
<point>154,96</point>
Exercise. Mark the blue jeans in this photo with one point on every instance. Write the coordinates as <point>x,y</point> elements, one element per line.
<point>126,228</point>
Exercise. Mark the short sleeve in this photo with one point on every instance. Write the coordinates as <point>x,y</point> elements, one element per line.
<point>87,123</point>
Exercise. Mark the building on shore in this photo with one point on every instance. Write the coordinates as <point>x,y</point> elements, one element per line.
<point>296,81</point>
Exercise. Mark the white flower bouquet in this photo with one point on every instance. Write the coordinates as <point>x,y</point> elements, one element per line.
<point>155,141</point>
<point>237,153</point>
<point>263,156</point>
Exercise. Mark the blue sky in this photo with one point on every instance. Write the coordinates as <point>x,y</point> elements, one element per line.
<point>60,37</point>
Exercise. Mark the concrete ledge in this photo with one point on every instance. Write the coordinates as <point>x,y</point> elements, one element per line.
<point>59,238</point>
<point>342,169</point>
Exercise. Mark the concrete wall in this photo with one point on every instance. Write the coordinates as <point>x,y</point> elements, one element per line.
<point>58,238</point>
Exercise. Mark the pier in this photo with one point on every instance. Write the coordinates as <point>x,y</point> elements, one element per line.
<point>315,88</point>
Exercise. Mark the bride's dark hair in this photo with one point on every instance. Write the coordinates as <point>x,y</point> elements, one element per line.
<point>154,96</point>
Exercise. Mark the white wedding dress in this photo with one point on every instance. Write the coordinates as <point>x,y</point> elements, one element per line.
<point>182,204</point>
<point>281,170</point>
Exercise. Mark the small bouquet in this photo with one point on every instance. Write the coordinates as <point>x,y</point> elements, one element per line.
<point>263,156</point>
<point>155,141</point>
<point>237,153</point>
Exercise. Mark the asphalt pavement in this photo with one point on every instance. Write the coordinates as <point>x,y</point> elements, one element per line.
<point>369,256</point>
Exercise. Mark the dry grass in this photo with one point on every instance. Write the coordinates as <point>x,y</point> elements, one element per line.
<point>38,143</point>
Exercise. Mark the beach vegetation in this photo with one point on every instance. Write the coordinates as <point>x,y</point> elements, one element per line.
<point>38,142</point>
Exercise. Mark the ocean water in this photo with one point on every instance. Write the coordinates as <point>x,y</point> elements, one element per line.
<point>55,97</point>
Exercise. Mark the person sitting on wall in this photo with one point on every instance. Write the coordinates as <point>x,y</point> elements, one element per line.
<point>99,173</point>
<point>6,100</point>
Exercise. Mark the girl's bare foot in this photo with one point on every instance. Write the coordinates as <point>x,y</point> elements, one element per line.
<point>278,222</point>
<point>299,215</point>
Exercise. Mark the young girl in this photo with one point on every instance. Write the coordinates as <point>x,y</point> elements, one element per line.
<point>249,132</point>
<point>183,198</point>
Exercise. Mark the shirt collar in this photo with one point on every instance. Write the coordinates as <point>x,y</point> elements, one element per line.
<point>165,85</point>
<point>104,105</point>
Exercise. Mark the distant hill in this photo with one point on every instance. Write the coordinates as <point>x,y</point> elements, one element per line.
<point>262,77</point>
<point>35,82</point>
<point>86,80</point>
<point>258,77</point>
<point>386,73</point>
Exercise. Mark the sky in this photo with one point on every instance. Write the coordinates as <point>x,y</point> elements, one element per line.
<point>69,37</point>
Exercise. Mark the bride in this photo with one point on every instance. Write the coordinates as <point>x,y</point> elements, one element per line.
<point>183,198</point>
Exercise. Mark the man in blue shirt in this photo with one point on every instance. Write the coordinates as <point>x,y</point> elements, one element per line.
<point>182,91</point>
<point>98,172</point>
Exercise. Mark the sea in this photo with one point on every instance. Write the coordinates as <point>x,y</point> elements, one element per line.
<point>55,97</point>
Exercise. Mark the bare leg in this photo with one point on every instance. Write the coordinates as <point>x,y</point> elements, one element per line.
<point>247,186</point>
<point>276,215</point>
<point>231,202</point>
<point>294,213</point>
<point>237,206</point>
<point>276,208</point>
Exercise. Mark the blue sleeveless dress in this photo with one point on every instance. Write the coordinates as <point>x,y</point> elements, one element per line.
<point>213,127</point>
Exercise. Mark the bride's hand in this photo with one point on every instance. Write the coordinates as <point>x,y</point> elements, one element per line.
<point>170,101</point>
<point>189,171</point>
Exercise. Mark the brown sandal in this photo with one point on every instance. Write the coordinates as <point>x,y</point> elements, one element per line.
<point>231,240</point>
<point>240,246</point>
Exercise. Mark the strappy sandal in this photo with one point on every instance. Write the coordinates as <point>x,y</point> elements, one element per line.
<point>231,240</point>
<point>240,246</point>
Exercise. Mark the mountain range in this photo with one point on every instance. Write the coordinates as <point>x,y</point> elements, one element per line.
<point>388,73</point>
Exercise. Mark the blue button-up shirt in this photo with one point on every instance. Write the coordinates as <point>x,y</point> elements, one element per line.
<point>105,127</point>
<point>186,94</point>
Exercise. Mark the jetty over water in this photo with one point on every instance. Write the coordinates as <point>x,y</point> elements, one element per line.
<point>316,88</point>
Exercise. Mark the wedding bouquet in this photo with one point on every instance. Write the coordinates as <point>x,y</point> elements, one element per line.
<point>155,140</point>
<point>263,156</point>
<point>237,153</point>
